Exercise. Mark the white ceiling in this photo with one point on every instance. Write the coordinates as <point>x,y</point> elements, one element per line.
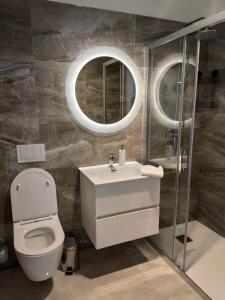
<point>178,10</point>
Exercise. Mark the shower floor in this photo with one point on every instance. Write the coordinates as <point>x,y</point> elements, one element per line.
<point>205,260</point>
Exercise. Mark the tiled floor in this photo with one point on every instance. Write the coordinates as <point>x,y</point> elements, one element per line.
<point>128,271</point>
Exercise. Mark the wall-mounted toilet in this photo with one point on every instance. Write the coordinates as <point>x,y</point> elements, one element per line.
<point>38,234</point>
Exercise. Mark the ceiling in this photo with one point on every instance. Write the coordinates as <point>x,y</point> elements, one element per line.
<point>178,10</point>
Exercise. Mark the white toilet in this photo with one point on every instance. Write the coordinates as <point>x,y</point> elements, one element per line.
<point>38,234</point>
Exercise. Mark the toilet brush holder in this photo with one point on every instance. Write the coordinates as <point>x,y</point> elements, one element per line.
<point>70,258</point>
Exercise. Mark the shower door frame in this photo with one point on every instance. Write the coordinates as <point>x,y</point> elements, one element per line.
<point>198,25</point>
<point>180,34</point>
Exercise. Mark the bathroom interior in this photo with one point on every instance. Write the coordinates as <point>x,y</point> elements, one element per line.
<point>112,120</point>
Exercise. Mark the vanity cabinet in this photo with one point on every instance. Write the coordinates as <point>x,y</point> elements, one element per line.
<point>118,208</point>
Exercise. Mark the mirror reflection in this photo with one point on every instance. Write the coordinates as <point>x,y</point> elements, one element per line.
<point>170,87</point>
<point>105,90</point>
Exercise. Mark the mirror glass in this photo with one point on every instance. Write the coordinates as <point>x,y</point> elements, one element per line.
<point>168,92</point>
<point>164,92</point>
<point>169,89</point>
<point>105,90</point>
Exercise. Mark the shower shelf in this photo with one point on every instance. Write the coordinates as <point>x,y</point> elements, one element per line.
<point>211,79</point>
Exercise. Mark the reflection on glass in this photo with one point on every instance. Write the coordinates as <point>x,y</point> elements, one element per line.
<point>170,145</point>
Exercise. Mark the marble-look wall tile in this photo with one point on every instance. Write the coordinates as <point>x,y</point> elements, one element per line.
<point>61,32</point>
<point>18,114</point>
<point>39,40</point>
<point>15,30</point>
<point>211,208</point>
<point>209,142</point>
<point>150,29</point>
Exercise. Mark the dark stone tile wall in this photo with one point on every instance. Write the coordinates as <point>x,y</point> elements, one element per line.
<point>38,42</point>
<point>209,142</point>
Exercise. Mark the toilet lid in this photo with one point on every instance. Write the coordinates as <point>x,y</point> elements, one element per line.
<point>33,195</point>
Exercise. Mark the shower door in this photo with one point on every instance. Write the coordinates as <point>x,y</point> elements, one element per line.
<point>171,99</point>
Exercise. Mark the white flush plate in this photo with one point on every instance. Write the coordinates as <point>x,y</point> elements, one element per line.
<point>30,153</point>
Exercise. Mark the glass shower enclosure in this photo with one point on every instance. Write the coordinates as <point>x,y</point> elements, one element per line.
<point>185,89</point>
<point>173,69</point>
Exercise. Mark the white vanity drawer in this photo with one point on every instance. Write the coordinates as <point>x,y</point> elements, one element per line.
<point>134,195</point>
<point>126,227</point>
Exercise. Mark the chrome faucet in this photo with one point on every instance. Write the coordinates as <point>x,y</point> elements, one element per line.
<point>112,160</point>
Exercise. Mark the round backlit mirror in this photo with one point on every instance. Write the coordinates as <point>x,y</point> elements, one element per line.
<point>159,110</point>
<point>103,90</point>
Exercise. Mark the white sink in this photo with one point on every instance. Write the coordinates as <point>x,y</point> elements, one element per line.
<point>118,206</point>
<point>102,174</point>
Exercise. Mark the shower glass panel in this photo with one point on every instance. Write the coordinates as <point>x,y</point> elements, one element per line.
<point>165,90</point>
<point>204,259</point>
<point>185,156</point>
<point>185,134</point>
<point>169,136</point>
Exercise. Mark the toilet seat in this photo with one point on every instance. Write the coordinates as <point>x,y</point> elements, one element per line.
<point>38,234</point>
<point>33,195</point>
<point>23,229</point>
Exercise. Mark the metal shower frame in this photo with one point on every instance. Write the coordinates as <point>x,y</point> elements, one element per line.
<point>198,25</point>
<point>181,34</point>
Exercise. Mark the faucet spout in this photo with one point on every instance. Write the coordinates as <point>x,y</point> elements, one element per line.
<point>112,161</point>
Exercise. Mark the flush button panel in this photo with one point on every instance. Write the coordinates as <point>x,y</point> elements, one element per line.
<point>30,153</point>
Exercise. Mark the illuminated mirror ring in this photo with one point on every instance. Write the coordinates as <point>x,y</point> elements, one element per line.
<point>161,69</point>
<point>82,119</point>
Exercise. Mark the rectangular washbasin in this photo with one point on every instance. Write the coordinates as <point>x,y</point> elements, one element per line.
<point>102,174</point>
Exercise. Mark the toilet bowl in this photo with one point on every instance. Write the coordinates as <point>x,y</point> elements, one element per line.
<point>38,234</point>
